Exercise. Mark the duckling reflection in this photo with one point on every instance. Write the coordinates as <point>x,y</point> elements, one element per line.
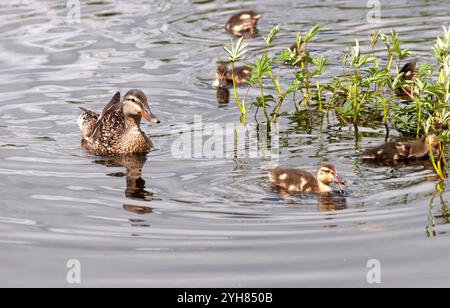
<point>403,168</point>
<point>331,202</point>
<point>223,96</point>
<point>135,183</point>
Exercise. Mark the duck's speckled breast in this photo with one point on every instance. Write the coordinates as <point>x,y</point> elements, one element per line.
<point>134,141</point>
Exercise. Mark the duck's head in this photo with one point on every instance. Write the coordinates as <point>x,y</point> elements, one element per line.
<point>244,24</point>
<point>135,106</point>
<point>221,81</point>
<point>327,175</point>
<point>409,70</point>
<point>433,140</point>
<point>299,51</point>
<point>255,16</point>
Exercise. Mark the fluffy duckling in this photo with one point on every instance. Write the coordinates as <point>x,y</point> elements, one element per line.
<point>223,76</point>
<point>409,71</point>
<point>299,51</point>
<point>243,24</point>
<point>300,181</point>
<point>401,151</point>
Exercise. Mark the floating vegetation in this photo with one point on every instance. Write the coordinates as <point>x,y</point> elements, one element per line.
<point>10,145</point>
<point>45,138</point>
<point>372,90</point>
<point>108,14</point>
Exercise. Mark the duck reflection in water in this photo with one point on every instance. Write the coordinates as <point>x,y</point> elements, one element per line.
<point>401,168</point>
<point>135,188</point>
<point>332,202</point>
<point>223,96</point>
<point>328,202</point>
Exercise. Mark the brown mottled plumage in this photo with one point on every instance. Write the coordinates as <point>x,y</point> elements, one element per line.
<point>301,51</point>
<point>243,24</point>
<point>224,78</point>
<point>117,132</point>
<point>408,72</point>
<point>398,151</point>
<point>300,181</point>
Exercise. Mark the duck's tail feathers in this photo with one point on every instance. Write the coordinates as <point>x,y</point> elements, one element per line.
<point>86,122</point>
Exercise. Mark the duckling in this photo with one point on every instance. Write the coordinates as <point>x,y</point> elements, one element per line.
<point>223,76</point>
<point>300,181</point>
<point>401,151</point>
<point>409,71</point>
<point>116,131</point>
<point>243,24</point>
<point>299,51</point>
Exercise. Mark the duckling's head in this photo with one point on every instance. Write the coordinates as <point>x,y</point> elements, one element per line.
<point>409,70</point>
<point>327,175</point>
<point>433,140</point>
<point>135,106</point>
<point>299,51</point>
<point>221,77</point>
<point>255,16</point>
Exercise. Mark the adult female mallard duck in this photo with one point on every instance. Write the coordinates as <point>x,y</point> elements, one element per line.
<point>300,181</point>
<point>116,131</point>
<point>401,151</point>
<point>243,24</point>
<point>224,78</point>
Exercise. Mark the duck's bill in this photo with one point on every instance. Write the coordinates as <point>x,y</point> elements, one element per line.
<point>149,116</point>
<point>340,182</point>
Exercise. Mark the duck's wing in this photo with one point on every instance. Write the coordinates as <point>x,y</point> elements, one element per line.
<point>87,121</point>
<point>293,180</point>
<point>113,105</point>
<point>389,151</point>
<point>111,116</point>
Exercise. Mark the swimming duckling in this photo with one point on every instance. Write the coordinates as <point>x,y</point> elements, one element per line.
<point>299,51</point>
<point>243,24</point>
<point>223,76</point>
<point>117,131</point>
<point>300,181</point>
<point>408,72</point>
<point>400,151</point>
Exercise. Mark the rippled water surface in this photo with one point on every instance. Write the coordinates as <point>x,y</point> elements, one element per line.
<point>206,222</point>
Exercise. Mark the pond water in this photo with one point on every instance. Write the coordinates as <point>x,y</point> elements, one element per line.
<point>197,222</point>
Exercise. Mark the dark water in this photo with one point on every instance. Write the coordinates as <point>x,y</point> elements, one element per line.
<point>208,222</point>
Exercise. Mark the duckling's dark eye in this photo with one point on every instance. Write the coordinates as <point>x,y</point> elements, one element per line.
<point>133,100</point>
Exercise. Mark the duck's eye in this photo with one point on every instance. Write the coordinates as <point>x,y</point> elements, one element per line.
<point>133,100</point>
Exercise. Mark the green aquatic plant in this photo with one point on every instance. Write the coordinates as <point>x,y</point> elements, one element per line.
<point>236,53</point>
<point>264,68</point>
<point>372,90</point>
